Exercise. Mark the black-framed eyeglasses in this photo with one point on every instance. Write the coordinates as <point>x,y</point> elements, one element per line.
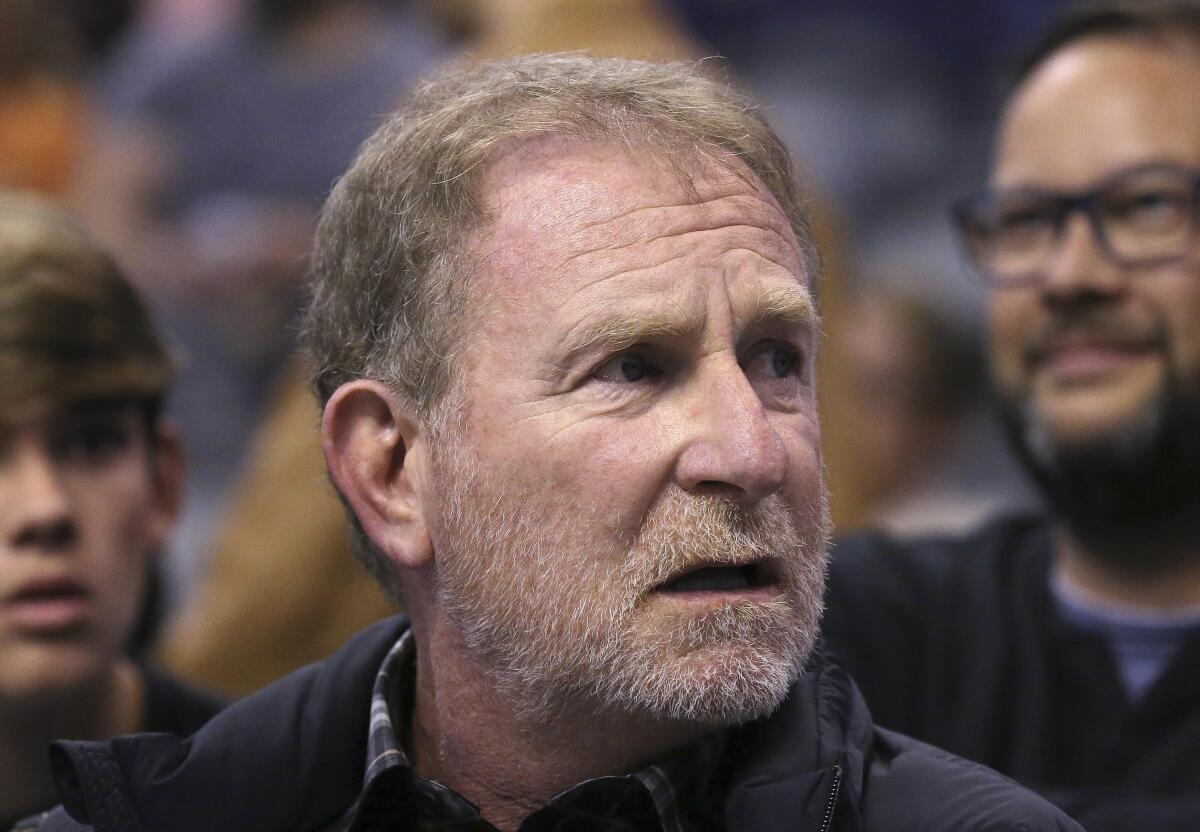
<point>1142,216</point>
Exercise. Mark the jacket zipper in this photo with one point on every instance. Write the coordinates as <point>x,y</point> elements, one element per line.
<point>831,803</point>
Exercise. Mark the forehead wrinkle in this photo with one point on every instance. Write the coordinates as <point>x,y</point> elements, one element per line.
<point>800,275</point>
<point>620,270</point>
<point>771,244</point>
<point>733,198</point>
<point>564,230</point>
<point>726,212</point>
<point>648,255</point>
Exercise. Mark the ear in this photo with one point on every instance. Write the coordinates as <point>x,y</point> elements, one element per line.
<point>167,468</point>
<point>376,455</point>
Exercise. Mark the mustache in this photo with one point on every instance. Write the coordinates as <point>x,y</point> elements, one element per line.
<point>1098,327</point>
<point>684,531</point>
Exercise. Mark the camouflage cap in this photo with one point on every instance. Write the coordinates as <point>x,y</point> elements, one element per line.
<point>71,326</point>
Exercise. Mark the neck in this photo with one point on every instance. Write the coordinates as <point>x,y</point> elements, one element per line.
<point>1145,571</point>
<point>94,709</point>
<point>507,764</point>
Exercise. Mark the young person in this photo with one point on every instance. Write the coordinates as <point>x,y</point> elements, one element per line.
<point>90,481</point>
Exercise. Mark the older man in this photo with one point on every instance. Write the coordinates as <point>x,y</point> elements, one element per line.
<point>1064,650</point>
<point>90,478</point>
<point>563,325</point>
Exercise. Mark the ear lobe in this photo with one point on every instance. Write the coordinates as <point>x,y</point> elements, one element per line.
<point>375,454</point>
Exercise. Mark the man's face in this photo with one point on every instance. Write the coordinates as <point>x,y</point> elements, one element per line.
<point>80,515</point>
<point>637,406</point>
<point>1093,355</point>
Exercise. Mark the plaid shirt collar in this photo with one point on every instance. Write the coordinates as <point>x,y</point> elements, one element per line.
<point>395,797</point>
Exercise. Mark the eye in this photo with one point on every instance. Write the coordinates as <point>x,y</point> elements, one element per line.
<point>1149,208</point>
<point>775,361</point>
<point>779,371</point>
<point>628,368</point>
<point>783,361</point>
<point>1024,217</point>
<point>1021,225</point>
<point>92,442</point>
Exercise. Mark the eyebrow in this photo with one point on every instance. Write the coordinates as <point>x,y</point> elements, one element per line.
<point>788,306</point>
<point>618,332</point>
<point>779,306</point>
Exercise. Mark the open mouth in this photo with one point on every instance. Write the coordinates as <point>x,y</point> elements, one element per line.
<point>723,578</point>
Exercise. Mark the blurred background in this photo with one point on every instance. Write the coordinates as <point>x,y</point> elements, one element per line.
<point>197,138</point>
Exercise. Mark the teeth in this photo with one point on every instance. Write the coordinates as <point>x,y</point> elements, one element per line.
<point>713,578</point>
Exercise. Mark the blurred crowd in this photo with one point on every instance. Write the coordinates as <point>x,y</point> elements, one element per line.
<point>198,139</point>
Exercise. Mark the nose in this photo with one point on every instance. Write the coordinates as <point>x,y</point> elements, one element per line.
<point>35,505</point>
<point>1080,266</point>
<point>731,448</point>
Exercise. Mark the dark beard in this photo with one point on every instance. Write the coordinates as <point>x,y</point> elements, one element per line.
<point>1133,498</point>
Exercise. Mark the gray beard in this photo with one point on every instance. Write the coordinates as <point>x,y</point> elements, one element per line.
<point>557,633</point>
<point>1123,495</point>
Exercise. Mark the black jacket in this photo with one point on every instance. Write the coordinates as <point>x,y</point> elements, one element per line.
<point>174,708</point>
<point>291,758</point>
<point>168,707</point>
<point>957,641</point>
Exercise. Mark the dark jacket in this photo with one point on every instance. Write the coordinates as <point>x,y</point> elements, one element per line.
<point>291,758</point>
<point>168,707</point>
<point>957,641</point>
<point>174,708</point>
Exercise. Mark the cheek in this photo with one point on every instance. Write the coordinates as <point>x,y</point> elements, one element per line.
<point>117,539</point>
<point>611,465</point>
<point>806,474</point>
<point>1011,316</point>
<point>1181,311</point>
<point>610,475</point>
<point>800,436</point>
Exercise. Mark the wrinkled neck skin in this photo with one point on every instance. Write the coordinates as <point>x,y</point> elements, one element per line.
<point>466,736</point>
<point>92,710</point>
<point>1151,568</point>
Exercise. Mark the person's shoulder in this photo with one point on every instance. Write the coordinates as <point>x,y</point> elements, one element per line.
<point>173,707</point>
<point>901,612</point>
<point>270,775</point>
<point>931,559</point>
<point>914,786</point>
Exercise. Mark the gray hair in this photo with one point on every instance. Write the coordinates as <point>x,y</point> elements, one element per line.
<point>389,272</point>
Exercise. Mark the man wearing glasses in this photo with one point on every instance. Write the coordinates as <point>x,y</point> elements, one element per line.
<point>1065,650</point>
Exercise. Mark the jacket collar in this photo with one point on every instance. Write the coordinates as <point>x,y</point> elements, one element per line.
<point>291,756</point>
<point>802,768</point>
